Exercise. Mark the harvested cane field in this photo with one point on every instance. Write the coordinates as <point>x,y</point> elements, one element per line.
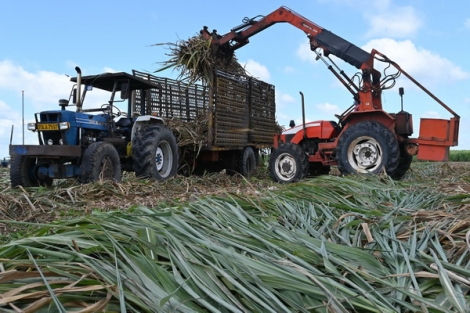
<point>219,243</point>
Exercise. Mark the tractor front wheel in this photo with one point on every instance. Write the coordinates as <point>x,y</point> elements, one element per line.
<point>288,163</point>
<point>22,173</point>
<point>155,153</point>
<point>100,162</point>
<point>367,147</point>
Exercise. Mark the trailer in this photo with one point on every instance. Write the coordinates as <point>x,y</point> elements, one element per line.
<point>235,116</point>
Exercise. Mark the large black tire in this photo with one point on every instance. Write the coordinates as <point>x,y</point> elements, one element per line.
<point>100,162</point>
<point>404,164</point>
<point>367,147</point>
<point>247,162</point>
<point>22,172</point>
<point>155,153</point>
<point>257,156</point>
<point>288,163</point>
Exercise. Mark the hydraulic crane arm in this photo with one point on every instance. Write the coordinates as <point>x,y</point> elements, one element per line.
<point>368,95</point>
<point>318,36</point>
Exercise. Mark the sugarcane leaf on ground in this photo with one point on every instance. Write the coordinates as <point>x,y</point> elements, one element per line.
<point>230,252</point>
<point>456,298</point>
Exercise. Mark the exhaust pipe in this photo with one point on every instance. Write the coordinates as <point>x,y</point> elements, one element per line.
<point>303,114</point>
<point>79,87</point>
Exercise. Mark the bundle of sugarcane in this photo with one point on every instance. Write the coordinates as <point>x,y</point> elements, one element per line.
<point>192,133</point>
<point>347,244</point>
<point>195,60</point>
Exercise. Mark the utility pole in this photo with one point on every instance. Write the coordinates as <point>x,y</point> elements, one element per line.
<point>22,112</point>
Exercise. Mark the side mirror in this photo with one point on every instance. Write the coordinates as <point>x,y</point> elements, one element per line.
<point>292,123</point>
<point>74,96</point>
<point>124,91</point>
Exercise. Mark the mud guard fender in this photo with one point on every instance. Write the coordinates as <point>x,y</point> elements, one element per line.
<point>142,122</point>
<point>378,116</point>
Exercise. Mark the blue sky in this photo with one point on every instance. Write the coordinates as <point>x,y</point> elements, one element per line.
<point>43,41</point>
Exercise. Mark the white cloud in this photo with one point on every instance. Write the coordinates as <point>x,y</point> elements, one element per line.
<point>305,53</point>
<point>424,65</point>
<point>400,22</point>
<point>329,108</point>
<point>286,98</point>
<point>283,101</point>
<point>284,105</point>
<point>8,117</point>
<point>7,112</point>
<point>385,17</point>
<point>11,120</point>
<point>39,87</point>
<point>257,70</point>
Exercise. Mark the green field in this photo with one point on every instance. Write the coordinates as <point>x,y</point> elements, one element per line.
<point>459,156</point>
<point>221,243</point>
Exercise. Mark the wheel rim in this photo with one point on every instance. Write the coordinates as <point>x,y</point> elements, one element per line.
<point>164,159</point>
<point>285,166</point>
<point>365,154</point>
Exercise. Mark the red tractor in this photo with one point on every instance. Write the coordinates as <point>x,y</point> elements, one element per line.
<point>365,139</point>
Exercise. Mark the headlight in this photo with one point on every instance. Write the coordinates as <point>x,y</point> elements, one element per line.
<point>32,126</point>
<point>64,125</point>
<point>61,142</point>
<point>50,142</point>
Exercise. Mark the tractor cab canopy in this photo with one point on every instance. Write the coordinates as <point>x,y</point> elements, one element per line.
<point>106,81</point>
<point>114,83</point>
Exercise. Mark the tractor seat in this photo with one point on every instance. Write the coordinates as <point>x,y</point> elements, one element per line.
<point>124,122</point>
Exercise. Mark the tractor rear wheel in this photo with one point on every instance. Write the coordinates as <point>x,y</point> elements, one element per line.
<point>22,173</point>
<point>100,162</point>
<point>155,153</point>
<point>367,147</point>
<point>288,163</point>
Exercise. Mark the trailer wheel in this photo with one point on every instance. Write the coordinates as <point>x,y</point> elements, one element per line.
<point>404,164</point>
<point>100,162</point>
<point>22,170</point>
<point>257,153</point>
<point>288,163</point>
<point>155,153</point>
<point>367,147</point>
<point>247,162</point>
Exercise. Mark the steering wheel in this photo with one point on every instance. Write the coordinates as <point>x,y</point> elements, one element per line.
<point>116,111</point>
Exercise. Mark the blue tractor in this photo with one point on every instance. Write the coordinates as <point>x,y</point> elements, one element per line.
<point>99,142</point>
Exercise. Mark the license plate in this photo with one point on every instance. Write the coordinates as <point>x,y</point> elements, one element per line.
<point>48,126</point>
